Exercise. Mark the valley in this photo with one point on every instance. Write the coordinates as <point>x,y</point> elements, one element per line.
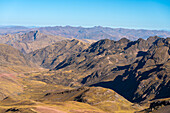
<point>44,72</point>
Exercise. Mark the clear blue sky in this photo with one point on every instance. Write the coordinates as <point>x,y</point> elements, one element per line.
<point>140,14</point>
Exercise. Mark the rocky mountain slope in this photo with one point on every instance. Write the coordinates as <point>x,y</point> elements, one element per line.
<point>147,78</point>
<point>101,57</point>
<point>52,55</point>
<point>142,66</point>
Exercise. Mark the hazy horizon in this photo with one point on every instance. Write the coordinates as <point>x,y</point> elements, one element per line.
<point>131,14</point>
<point>83,27</point>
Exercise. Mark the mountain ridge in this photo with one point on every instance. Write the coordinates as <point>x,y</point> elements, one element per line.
<point>119,61</point>
<point>96,33</point>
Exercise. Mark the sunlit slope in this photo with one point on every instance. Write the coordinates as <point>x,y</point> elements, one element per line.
<point>12,60</point>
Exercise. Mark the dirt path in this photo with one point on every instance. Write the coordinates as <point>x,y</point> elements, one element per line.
<point>8,75</point>
<point>43,109</point>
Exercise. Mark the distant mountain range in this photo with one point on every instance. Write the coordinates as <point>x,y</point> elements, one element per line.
<point>95,33</point>
<point>29,39</point>
<point>98,32</point>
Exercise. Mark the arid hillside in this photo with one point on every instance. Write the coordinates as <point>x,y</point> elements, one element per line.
<point>30,41</point>
<point>52,55</point>
<point>12,60</point>
<point>142,66</point>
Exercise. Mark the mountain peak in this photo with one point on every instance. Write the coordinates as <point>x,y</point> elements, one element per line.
<point>153,38</point>
<point>124,40</point>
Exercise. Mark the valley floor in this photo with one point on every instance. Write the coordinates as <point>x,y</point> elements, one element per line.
<point>24,95</point>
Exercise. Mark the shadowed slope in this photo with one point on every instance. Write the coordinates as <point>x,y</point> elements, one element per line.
<point>147,78</point>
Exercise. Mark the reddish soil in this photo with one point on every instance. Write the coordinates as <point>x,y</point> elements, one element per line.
<point>84,111</point>
<point>7,75</point>
<point>43,109</point>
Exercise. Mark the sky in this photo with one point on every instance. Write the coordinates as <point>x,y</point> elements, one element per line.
<point>135,14</point>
